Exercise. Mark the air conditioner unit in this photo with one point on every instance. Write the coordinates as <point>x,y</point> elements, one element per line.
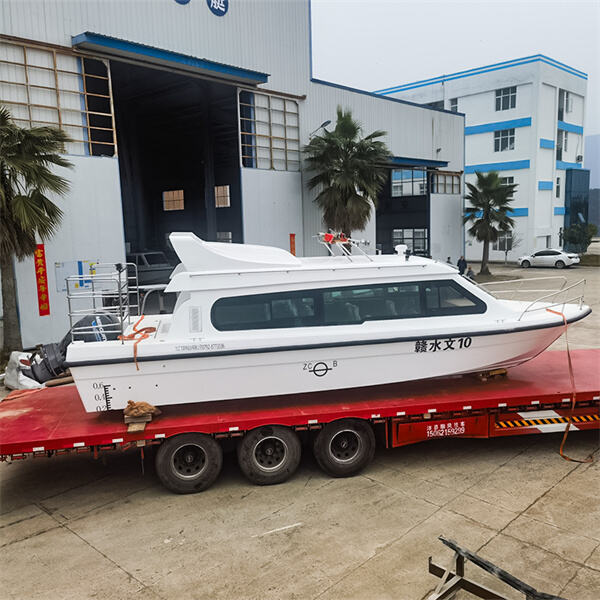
<point>579,158</point>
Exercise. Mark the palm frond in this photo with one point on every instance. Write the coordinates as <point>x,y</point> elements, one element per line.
<point>28,159</point>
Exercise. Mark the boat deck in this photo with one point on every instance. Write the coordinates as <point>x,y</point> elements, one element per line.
<point>54,418</point>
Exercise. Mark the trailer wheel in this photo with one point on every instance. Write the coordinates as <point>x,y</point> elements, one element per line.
<point>269,455</point>
<point>189,462</point>
<point>343,448</point>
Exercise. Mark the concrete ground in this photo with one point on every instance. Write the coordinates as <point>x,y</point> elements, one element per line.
<point>72,527</point>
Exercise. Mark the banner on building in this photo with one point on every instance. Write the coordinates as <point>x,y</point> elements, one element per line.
<point>41,280</point>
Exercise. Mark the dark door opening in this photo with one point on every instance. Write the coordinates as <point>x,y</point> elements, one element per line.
<point>402,215</point>
<point>178,147</point>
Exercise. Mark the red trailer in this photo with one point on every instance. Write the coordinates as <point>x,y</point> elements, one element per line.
<point>536,397</point>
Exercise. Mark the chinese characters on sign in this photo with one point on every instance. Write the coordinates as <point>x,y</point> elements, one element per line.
<point>445,429</point>
<point>442,345</point>
<point>41,280</point>
<point>218,7</point>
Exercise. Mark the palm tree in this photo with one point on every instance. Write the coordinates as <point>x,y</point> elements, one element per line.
<point>488,213</point>
<point>26,211</point>
<point>350,172</point>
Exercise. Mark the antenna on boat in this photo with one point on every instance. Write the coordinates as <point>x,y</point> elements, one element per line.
<point>340,241</point>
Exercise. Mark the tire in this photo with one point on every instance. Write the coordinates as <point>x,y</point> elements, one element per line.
<point>559,264</point>
<point>189,462</point>
<point>525,264</point>
<point>343,448</point>
<point>269,455</point>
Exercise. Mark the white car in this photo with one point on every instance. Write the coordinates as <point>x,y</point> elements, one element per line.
<point>549,258</point>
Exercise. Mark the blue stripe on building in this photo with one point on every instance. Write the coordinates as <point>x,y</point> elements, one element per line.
<point>486,69</point>
<point>544,143</point>
<point>544,185</point>
<point>515,212</point>
<point>561,164</point>
<point>485,127</point>
<point>512,165</point>
<point>559,210</point>
<point>570,127</point>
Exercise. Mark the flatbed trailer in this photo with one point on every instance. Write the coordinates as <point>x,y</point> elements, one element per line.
<point>536,397</point>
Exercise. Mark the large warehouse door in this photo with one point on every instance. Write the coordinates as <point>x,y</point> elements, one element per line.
<point>178,156</point>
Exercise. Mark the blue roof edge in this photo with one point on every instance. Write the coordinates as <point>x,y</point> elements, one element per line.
<point>118,44</point>
<point>515,62</point>
<point>381,97</point>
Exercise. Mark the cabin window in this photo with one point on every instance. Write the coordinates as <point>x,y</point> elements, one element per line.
<point>350,305</point>
<point>265,311</point>
<point>449,298</point>
<point>354,305</point>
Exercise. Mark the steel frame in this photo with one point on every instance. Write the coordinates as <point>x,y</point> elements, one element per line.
<point>61,110</point>
<point>453,579</point>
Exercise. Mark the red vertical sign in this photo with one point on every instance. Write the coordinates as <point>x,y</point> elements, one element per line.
<point>41,280</point>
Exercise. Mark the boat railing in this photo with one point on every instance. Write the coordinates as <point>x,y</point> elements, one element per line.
<point>557,298</point>
<point>510,288</point>
<point>103,302</point>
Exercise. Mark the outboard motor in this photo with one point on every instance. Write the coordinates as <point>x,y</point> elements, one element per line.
<point>48,361</point>
<point>93,328</point>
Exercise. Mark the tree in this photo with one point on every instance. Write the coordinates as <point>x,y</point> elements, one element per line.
<point>578,237</point>
<point>26,212</point>
<point>349,173</point>
<point>511,243</point>
<point>488,213</point>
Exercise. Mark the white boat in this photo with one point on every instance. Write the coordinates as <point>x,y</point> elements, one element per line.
<point>254,321</point>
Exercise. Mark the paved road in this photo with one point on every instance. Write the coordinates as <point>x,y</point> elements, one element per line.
<point>72,527</point>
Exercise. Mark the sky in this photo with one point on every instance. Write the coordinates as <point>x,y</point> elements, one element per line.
<point>374,44</point>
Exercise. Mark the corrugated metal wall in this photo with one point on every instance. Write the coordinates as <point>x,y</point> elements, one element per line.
<point>254,34</point>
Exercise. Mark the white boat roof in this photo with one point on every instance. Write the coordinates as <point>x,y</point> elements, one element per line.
<point>222,260</point>
<point>198,255</point>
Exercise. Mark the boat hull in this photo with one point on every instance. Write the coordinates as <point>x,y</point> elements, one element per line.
<point>266,372</point>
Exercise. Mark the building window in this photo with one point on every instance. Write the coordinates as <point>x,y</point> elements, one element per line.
<point>454,104</point>
<point>445,183</point>
<point>565,103</point>
<point>504,140</point>
<point>222,198</point>
<point>558,187</point>
<point>561,143</point>
<point>415,239</point>
<point>224,236</point>
<point>504,242</point>
<point>408,182</point>
<point>438,104</point>
<point>48,87</point>
<point>508,181</point>
<point>173,200</point>
<point>506,98</point>
<point>269,132</point>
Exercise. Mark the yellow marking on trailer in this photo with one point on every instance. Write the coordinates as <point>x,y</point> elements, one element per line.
<point>547,421</point>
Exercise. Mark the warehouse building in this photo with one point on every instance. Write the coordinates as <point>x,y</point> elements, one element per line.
<point>191,115</point>
<point>523,118</point>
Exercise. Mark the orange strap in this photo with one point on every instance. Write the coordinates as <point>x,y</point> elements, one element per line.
<point>589,459</point>
<point>138,335</point>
